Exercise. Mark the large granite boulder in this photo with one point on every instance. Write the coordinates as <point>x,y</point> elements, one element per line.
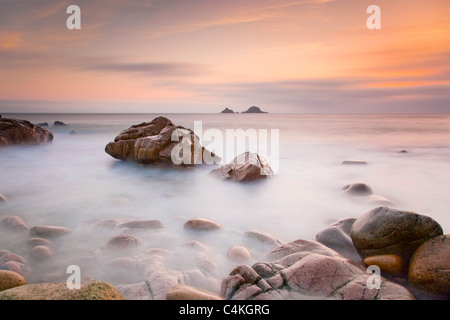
<point>92,290</point>
<point>388,231</point>
<point>306,269</point>
<point>158,142</point>
<point>429,268</point>
<point>22,132</point>
<point>245,167</point>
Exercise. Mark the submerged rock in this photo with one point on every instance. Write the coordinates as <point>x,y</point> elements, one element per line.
<point>201,224</point>
<point>59,124</point>
<point>92,290</point>
<point>354,161</point>
<point>357,189</point>
<point>429,267</point>
<point>389,231</point>
<point>48,231</point>
<point>13,224</point>
<point>245,167</point>
<point>22,132</point>
<point>3,198</point>
<point>41,252</point>
<point>239,254</point>
<point>14,262</point>
<point>306,268</point>
<point>123,242</point>
<point>151,143</point>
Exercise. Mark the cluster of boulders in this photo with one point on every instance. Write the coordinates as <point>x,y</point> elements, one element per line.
<point>154,142</point>
<point>410,250</point>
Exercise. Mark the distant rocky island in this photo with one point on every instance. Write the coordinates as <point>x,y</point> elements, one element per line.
<point>252,109</point>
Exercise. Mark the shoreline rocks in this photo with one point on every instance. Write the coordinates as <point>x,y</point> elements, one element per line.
<point>429,268</point>
<point>22,132</point>
<point>244,168</point>
<point>390,231</point>
<point>10,279</point>
<point>151,143</point>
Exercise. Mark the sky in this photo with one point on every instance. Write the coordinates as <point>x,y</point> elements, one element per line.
<point>306,56</point>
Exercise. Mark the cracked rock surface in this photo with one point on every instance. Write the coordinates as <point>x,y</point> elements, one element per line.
<point>302,269</point>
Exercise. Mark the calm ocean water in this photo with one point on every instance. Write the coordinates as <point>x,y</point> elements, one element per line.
<point>73,180</point>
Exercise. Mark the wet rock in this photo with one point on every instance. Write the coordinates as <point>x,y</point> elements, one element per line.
<point>151,143</point>
<point>239,254</point>
<point>337,237</point>
<point>33,242</point>
<point>14,262</point>
<point>123,242</point>
<point>388,231</point>
<point>48,231</point>
<point>3,198</point>
<point>358,189</point>
<point>377,200</point>
<point>245,167</point>
<point>43,124</point>
<point>10,279</point>
<point>73,132</point>
<point>388,263</point>
<point>136,291</point>
<point>41,252</point>
<point>304,267</point>
<point>201,224</point>
<point>13,224</point>
<point>18,132</point>
<point>261,238</point>
<point>142,224</point>
<point>93,290</point>
<point>183,292</point>
<point>429,268</point>
<point>59,124</point>
<point>354,162</point>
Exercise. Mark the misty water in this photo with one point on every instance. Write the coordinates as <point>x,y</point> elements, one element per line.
<point>72,181</point>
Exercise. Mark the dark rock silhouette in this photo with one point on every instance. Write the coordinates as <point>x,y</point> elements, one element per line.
<point>254,110</point>
<point>226,110</point>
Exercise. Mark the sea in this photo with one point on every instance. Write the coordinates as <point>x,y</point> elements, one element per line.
<point>73,181</point>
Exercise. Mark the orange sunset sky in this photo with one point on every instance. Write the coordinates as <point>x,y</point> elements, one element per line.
<point>307,56</point>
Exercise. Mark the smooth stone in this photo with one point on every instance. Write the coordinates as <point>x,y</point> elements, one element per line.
<point>3,198</point>
<point>389,263</point>
<point>354,161</point>
<point>239,254</point>
<point>48,231</point>
<point>389,231</point>
<point>337,237</point>
<point>184,292</point>
<point>359,189</point>
<point>33,242</point>
<point>41,252</point>
<point>123,242</point>
<point>244,168</point>
<point>261,238</point>
<point>13,262</point>
<point>92,290</point>
<point>429,268</point>
<point>142,224</point>
<point>14,224</point>
<point>201,224</point>
<point>10,279</point>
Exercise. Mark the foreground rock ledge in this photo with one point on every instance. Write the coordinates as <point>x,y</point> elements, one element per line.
<point>92,290</point>
<point>307,269</point>
<point>151,143</point>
